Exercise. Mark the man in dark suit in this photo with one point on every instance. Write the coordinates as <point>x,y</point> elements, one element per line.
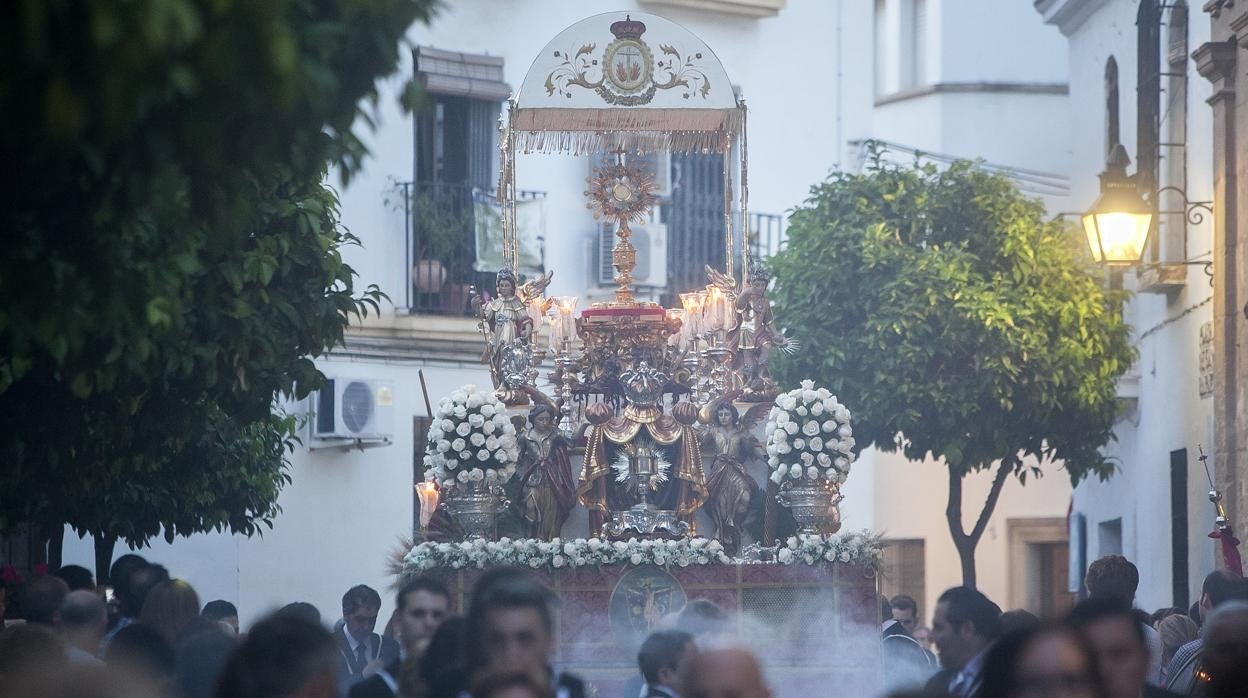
<point>664,660</point>
<point>361,651</point>
<point>964,626</point>
<point>511,624</point>
<point>423,603</point>
<point>1117,637</point>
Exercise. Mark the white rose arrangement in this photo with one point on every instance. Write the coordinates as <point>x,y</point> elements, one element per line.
<point>857,548</point>
<point>471,440</point>
<point>809,436</point>
<point>559,553</point>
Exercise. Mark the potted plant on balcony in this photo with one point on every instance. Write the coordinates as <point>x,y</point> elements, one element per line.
<point>438,230</point>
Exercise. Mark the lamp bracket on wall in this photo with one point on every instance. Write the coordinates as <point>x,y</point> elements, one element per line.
<point>1193,212</point>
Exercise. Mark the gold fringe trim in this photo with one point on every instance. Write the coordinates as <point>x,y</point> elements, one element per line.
<point>580,131</point>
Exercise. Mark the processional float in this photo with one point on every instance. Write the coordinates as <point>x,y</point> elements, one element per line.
<point>660,401</point>
<point>647,390</point>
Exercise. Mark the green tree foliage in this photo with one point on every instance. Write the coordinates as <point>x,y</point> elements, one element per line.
<point>957,322</point>
<point>171,250</point>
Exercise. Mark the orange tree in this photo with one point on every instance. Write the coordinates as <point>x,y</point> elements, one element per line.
<point>172,252</point>
<point>957,322</point>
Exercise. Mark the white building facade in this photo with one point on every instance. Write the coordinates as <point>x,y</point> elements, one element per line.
<point>1154,510</point>
<point>818,83</point>
<point>346,510</point>
<point>978,80</point>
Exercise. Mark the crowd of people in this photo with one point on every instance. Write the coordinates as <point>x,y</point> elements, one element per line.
<point>147,634</point>
<point>1104,647</point>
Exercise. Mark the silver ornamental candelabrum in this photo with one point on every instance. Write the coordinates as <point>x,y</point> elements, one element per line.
<point>813,504</point>
<point>717,356</point>
<point>475,507</point>
<point>562,335</point>
<point>566,371</point>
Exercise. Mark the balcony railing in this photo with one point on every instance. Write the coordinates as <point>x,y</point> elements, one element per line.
<point>766,234</point>
<point>443,222</point>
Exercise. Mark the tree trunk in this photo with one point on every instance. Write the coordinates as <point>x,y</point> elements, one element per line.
<point>103,558</point>
<point>962,540</point>
<point>55,537</point>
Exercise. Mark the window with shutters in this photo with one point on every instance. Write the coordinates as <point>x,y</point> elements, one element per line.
<point>881,47</point>
<point>903,571</point>
<point>913,44</point>
<point>1170,243</point>
<point>454,169</point>
<point>694,217</point>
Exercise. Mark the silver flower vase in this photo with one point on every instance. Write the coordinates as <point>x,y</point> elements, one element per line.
<point>475,507</point>
<point>814,505</point>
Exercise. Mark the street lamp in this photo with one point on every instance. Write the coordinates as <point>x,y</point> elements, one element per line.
<point>1117,225</point>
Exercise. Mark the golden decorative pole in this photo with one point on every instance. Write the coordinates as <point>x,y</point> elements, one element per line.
<point>746,252</point>
<point>729,248</point>
<point>621,193</point>
<point>624,259</point>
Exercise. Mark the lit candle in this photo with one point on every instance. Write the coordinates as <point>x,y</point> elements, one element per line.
<point>536,311</point>
<point>678,339</point>
<point>555,325</point>
<point>693,315</point>
<point>566,305</point>
<point>712,309</point>
<point>428,494</point>
<point>730,312</point>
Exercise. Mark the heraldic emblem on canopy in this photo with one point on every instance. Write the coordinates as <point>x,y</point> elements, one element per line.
<point>627,73</point>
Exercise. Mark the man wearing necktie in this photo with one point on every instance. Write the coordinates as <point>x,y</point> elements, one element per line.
<point>362,651</point>
<point>964,626</point>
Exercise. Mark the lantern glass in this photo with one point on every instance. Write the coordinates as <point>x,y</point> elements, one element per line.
<point>1117,237</point>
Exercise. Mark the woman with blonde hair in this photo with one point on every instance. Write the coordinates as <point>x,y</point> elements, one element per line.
<point>1175,630</point>
<point>170,608</point>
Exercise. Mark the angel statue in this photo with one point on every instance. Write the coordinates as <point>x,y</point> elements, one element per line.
<point>506,322</point>
<point>547,487</point>
<point>733,497</point>
<point>755,335</point>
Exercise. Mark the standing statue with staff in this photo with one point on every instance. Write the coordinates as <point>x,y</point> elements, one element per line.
<point>507,323</point>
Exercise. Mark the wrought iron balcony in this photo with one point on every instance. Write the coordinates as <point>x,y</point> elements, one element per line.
<point>443,225</point>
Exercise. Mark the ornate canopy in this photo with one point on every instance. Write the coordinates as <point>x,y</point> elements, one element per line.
<point>630,80</point>
<point>626,81</point>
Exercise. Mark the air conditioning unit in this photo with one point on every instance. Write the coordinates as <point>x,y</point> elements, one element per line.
<point>650,239</point>
<point>353,412</point>
<point>658,164</point>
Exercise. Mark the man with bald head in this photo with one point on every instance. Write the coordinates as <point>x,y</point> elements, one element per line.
<point>728,672</point>
<point>82,622</point>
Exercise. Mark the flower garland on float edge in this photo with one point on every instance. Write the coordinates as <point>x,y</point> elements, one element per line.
<point>857,547</point>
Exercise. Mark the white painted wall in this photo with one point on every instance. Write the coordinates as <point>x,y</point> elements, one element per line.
<point>1171,414</point>
<point>342,515</point>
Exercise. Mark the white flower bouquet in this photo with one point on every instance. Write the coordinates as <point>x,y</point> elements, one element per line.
<point>809,436</point>
<point>471,440</point>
